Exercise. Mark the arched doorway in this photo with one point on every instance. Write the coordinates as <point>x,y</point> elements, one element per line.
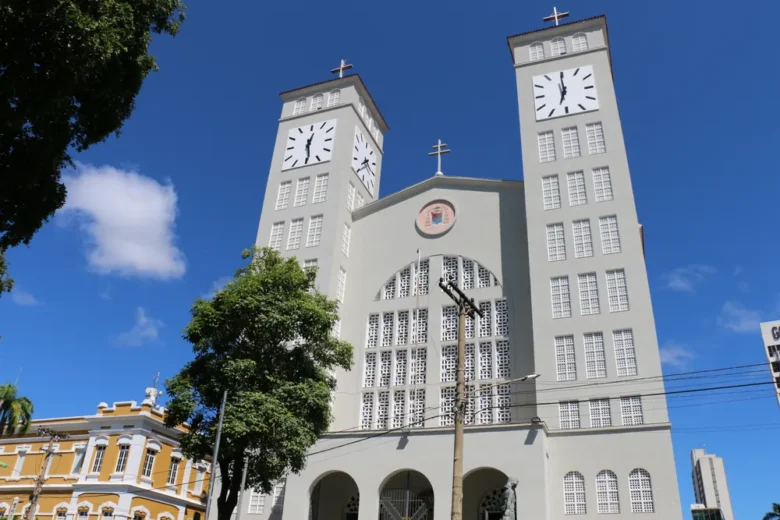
<point>483,494</point>
<point>406,494</point>
<point>334,496</point>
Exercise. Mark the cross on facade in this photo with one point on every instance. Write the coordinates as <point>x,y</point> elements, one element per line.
<point>555,16</point>
<point>341,68</point>
<point>439,150</point>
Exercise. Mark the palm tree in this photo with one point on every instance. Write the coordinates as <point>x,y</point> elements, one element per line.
<point>15,411</point>
<point>774,514</point>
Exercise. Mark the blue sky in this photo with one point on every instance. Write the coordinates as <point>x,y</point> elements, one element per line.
<point>159,216</point>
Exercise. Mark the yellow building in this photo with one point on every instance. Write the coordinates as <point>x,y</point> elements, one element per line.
<point>120,464</point>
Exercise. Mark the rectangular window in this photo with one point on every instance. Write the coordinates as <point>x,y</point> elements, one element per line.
<point>294,234</point>
<point>617,290</point>
<point>565,364</point>
<point>450,269</point>
<point>595,357</point>
<point>367,411</point>
<point>486,360</point>
<point>121,460</point>
<point>314,235</point>
<point>449,363</point>
<point>351,197</point>
<point>569,413</point>
<point>402,336</point>
<point>359,201</point>
<point>602,184</point>
<point>311,263</point>
<point>583,241</point>
<point>316,102</point>
<point>369,370</point>
<point>551,192</point>
<point>503,367</point>
<point>341,285</point>
<point>502,318</point>
<point>320,188</point>
<point>422,278</point>
<point>625,354</point>
<point>468,274</point>
<point>100,452</point>
<point>600,416</point>
<point>256,503</point>
<point>485,405</point>
<point>22,455</point>
<point>485,321</point>
<point>148,463</point>
<point>561,299</point>
<point>596,142</point>
<point>420,326</point>
<point>577,195</point>
<point>345,237</point>
<point>571,142</point>
<point>385,367</point>
<point>383,410</point>
<point>419,364</point>
<point>631,410</point>
<point>277,231</point>
<point>610,237</point>
<point>589,294</point>
<point>449,323</point>
<point>78,461</point>
<point>556,245</point>
<point>173,471</point>
<point>404,282</point>
<point>301,192</point>
<point>503,403</point>
<point>417,408</point>
<point>470,362</point>
<point>372,334</point>
<point>399,408</point>
<point>399,374</point>
<point>283,195</point>
<point>447,403</point>
<point>387,328</point>
<point>546,142</point>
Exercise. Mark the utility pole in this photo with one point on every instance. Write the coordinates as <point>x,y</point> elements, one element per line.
<point>54,436</point>
<point>214,462</point>
<point>466,307</point>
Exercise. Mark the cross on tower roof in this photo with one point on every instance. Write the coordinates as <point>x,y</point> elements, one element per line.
<point>555,16</point>
<point>341,68</point>
<point>439,150</point>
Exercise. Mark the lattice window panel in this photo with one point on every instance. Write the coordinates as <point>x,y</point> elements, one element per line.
<point>617,290</point>
<point>419,366</point>
<point>333,98</point>
<point>470,362</point>
<point>546,143</point>
<point>579,43</point>
<point>385,367</point>
<point>569,414</point>
<point>503,404</point>
<point>589,294</point>
<point>595,356</point>
<point>299,107</point>
<point>367,411</point>
<point>470,405</point>
<point>503,365</point>
<point>402,335</point>
<point>565,363</point>
<point>561,299</point>
<point>399,378</point>
<point>423,278</point>
<point>470,325</point>
<point>485,405</point>
<point>610,236</point>
<point>351,197</point>
<point>449,363</point>
<point>557,46</point>
<point>486,320</point>
<point>483,277</point>
<point>468,274</point>
<point>404,283</point>
<point>417,408</point>
<point>277,231</point>
<point>449,323</point>
<point>577,194</point>
<point>556,244</point>
<point>583,240</point>
<point>372,333</point>
<point>571,142</point>
<point>447,406</point>
<point>389,290</point>
<point>551,192</point>
<point>602,184</point>
<point>536,51</point>
<point>314,235</point>
<point>600,413</point>
<point>383,410</point>
<point>450,269</point>
<point>301,192</point>
<point>420,326</point>
<point>341,285</point>
<point>640,488</point>
<point>316,102</point>
<point>346,237</point>
<point>596,143</point>
<point>625,353</point>
<point>387,329</point>
<point>574,494</point>
<point>359,200</point>
<point>283,195</point>
<point>631,410</point>
<point>320,188</point>
<point>502,318</point>
<point>369,370</point>
<point>486,360</point>
<point>294,234</point>
<point>399,408</point>
<point>607,496</point>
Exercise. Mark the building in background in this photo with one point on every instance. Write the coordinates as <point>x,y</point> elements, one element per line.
<point>709,483</point>
<point>770,333</point>
<point>700,512</point>
<point>120,464</point>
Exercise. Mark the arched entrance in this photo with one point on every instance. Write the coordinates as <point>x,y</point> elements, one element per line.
<point>334,496</point>
<point>406,494</point>
<point>483,494</point>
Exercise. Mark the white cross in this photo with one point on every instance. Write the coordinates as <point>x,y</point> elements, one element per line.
<point>439,150</point>
<point>341,68</point>
<point>555,16</point>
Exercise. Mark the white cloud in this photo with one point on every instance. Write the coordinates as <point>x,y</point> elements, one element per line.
<point>129,220</point>
<point>684,278</point>
<point>24,298</point>
<point>216,285</point>
<point>738,318</point>
<point>676,354</point>
<point>146,329</point>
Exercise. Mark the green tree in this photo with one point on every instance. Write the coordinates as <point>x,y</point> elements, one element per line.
<point>15,411</point>
<point>70,71</point>
<point>266,338</point>
<point>774,514</point>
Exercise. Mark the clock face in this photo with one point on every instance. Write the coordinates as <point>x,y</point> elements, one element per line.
<point>566,92</point>
<point>364,161</point>
<point>309,144</point>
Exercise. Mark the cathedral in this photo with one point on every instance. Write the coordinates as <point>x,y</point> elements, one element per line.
<point>556,264</point>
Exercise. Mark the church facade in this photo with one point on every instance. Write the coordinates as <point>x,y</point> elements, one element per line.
<point>556,264</point>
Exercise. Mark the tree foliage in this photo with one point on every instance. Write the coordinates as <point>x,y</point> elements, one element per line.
<point>774,514</point>
<point>15,411</point>
<point>267,339</point>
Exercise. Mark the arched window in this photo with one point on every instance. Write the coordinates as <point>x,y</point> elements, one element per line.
<point>640,489</point>
<point>579,42</point>
<point>607,498</point>
<point>300,106</point>
<point>334,97</point>
<point>558,46</point>
<point>316,102</point>
<point>536,51</point>
<point>574,493</point>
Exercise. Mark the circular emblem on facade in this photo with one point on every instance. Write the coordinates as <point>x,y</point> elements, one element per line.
<point>436,218</point>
